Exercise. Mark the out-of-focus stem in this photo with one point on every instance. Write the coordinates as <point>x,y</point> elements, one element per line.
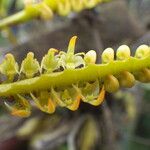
<point>15,19</point>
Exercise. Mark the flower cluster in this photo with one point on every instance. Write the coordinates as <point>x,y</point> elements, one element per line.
<point>65,78</point>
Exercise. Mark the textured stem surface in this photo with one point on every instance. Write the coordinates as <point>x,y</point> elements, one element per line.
<point>71,76</point>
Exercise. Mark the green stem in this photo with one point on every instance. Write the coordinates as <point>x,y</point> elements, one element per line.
<point>29,13</point>
<point>69,77</point>
<point>14,19</point>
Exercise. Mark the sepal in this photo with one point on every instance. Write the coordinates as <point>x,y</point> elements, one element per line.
<point>44,102</point>
<point>21,108</point>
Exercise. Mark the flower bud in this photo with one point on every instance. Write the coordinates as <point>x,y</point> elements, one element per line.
<point>45,12</point>
<point>123,52</point>
<point>64,8</point>
<point>143,75</point>
<point>30,66</point>
<point>89,4</point>
<point>108,55</point>
<point>77,5</point>
<point>111,84</point>
<point>9,66</point>
<point>90,57</point>
<point>126,79</point>
<point>142,51</point>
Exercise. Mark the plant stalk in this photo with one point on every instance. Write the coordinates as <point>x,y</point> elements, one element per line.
<point>73,76</point>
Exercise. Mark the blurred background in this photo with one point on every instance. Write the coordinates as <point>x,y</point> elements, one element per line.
<point>122,122</point>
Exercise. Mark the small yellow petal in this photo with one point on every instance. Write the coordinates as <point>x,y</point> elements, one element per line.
<point>71,46</point>
<point>75,104</point>
<point>100,98</point>
<point>21,113</point>
<point>51,106</point>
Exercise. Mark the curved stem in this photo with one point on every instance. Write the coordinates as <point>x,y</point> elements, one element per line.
<point>20,17</point>
<point>69,77</point>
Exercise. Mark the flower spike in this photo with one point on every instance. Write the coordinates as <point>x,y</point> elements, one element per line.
<point>81,79</point>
